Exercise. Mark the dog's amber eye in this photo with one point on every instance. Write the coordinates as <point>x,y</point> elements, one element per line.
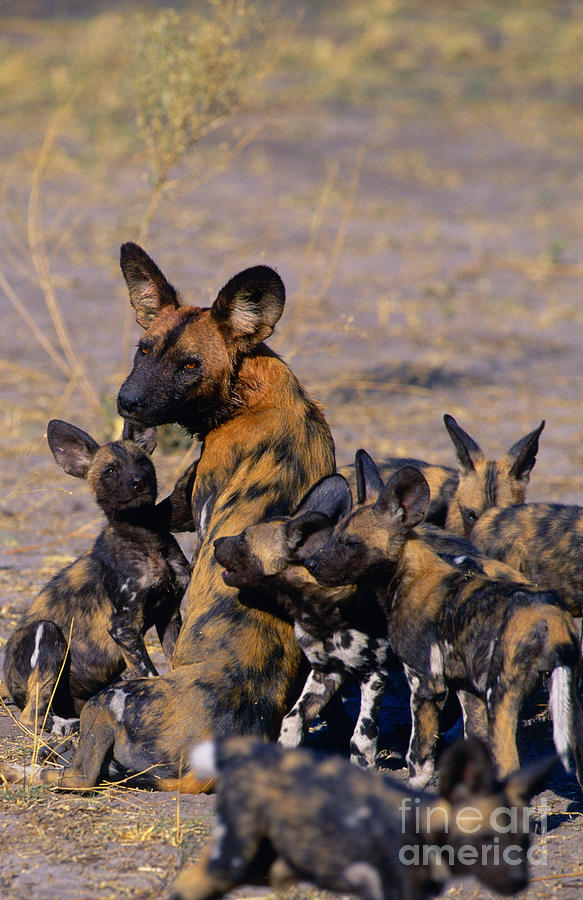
<point>192,364</point>
<point>144,350</point>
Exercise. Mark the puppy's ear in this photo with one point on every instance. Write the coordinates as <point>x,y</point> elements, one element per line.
<point>330,496</point>
<point>406,495</point>
<point>466,448</point>
<point>524,454</point>
<point>72,448</point>
<point>303,526</point>
<point>520,786</point>
<point>466,770</point>
<point>368,481</point>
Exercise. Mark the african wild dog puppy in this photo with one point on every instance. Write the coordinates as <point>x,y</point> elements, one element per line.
<point>544,541</point>
<point>484,483</point>
<point>290,815</point>
<point>443,483</point>
<point>458,497</point>
<point>264,443</point>
<point>470,623</point>
<point>133,577</point>
<point>342,630</point>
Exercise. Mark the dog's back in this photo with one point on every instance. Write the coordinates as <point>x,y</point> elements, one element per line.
<point>544,541</point>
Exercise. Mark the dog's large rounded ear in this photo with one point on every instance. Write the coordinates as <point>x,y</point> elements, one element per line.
<point>524,454</point>
<point>248,307</point>
<point>466,770</point>
<point>520,786</point>
<point>72,448</point>
<point>301,527</point>
<point>466,448</point>
<point>149,290</point>
<point>406,494</point>
<point>330,496</point>
<point>368,480</point>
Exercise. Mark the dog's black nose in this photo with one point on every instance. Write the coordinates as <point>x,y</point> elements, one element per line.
<point>137,482</point>
<point>128,400</point>
<point>311,564</point>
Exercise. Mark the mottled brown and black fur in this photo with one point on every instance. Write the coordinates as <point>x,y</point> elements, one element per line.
<point>289,815</point>
<point>443,483</point>
<point>544,541</point>
<point>459,496</point>
<point>341,630</point>
<point>264,443</point>
<point>484,483</point>
<point>469,624</point>
<point>132,578</point>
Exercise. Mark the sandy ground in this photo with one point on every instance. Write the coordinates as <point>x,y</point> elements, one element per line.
<point>433,264</point>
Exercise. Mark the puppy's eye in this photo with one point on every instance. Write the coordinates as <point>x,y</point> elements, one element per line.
<point>470,515</point>
<point>110,470</point>
<point>352,544</point>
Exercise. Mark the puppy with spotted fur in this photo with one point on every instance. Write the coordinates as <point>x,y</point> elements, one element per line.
<point>132,578</point>
<point>290,815</point>
<point>466,622</point>
<point>343,631</point>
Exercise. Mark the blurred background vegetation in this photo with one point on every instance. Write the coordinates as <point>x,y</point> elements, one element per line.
<point>399,162</point>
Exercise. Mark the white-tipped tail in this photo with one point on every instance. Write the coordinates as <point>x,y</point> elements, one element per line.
<point>203,760</point>
<point>562,712</point>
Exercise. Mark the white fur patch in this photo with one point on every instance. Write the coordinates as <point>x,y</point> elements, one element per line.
<point>63,726</point>
<point>423,775</point>
<point>203,760</point>
<point>204,514</point>
<point>358,817</point>
<point>37,640</point>
<point>351,654</point>
<point>363,875</point>
<point>117,704</point>
<point>244,319</point>
<point>435,661</point>
<point>561,712</point>
<point>459,560</point>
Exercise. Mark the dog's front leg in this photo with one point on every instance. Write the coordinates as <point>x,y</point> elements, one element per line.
<point>126,632</point>
<point>226,859</point>
<point>363,746</point>
<point>320,686</point>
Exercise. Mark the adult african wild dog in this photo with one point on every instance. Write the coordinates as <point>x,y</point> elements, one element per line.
<point>459,496</point>
<point>293,816</point>
<point>342,630</point>
<point>264,443</point>
<point>484,483</point>
<point>133,577</point>
<point>544,541</point>
<point>470,623</point>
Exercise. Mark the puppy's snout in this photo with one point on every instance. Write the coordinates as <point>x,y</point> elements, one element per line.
<point>312,564</point>
<point>137,482</point>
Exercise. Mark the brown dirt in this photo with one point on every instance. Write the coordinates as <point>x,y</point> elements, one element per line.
<point>457,288</point>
